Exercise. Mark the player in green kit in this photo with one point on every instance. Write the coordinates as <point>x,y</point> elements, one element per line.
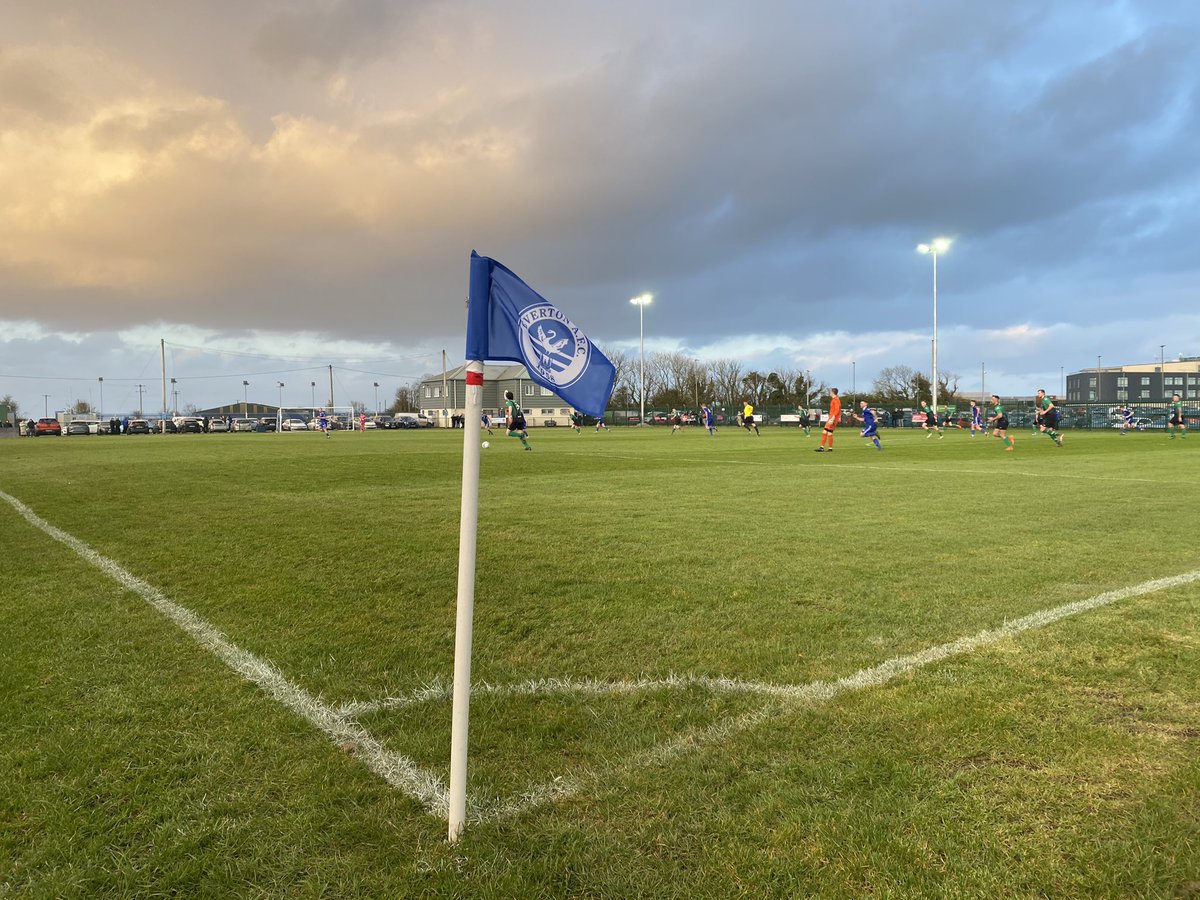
<point>1048,416</point>
<point>931,421</point>
<point>1176,419</point>
<point>999,423</point>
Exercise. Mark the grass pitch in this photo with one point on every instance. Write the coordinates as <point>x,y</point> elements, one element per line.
<point>644,603</point>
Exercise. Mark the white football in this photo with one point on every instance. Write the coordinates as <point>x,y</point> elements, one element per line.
<point>485,445</point>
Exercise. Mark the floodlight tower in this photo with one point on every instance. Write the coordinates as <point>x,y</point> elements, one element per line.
<point>933,248</point>
<point>641,302</point>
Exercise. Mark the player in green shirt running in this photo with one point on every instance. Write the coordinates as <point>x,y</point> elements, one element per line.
<point>1176,419</point>
<point>1049,416</point>
<point>514,419</point>
<point>999,423</point>
<point>931,422</point>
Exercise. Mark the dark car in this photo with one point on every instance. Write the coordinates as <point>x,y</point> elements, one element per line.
<point>191,426</point>
<point>138,426</point>
<point>549,423</point>
<point>406,423</point>
<point>47,426</point>
<point>383,421</point>
<point>267,423</point>
<point>168,426</point>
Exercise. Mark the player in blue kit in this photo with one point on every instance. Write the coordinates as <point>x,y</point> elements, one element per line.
<point>706,415</point>
<point>870,426</point>
<point>1126,418</point>
<point>977,419</point>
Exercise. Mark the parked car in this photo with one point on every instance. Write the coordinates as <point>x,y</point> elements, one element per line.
<point>405,423</point>
<point>217,424</point>
<point>190,426</point>
<point>244,425</point>
<point>293,423</point>
<point>549,423</point>
<point>80,427</point>
<point>268,423</point>
<point>47,426</point>
<point>138,426</point>
<point>382,421</point>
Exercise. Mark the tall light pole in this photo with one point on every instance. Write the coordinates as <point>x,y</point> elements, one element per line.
<point>1162,370</point>
<point>101,414</point>
<point>1097,378</point>
<point>641,302</point>
<point>933,248</point>
<point>281,386</point>
<point>853,379</point>
<point>376,397</point>
<point>314,397</point>
<point>175,396</point>
<point>46,406</point>
<point>245,395</point>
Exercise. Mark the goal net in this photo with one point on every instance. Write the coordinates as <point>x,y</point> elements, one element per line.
<point>300,418</point>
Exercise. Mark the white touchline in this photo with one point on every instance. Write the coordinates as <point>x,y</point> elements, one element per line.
<point>428,790</point>
<point>821,691</point>
<point>397,770</point>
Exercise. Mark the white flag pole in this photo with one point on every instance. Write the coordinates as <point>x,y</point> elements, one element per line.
<point>467,529</point>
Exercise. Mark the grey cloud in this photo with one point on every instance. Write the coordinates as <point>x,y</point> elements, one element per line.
<point>324,37</point>
<point>31,88</point>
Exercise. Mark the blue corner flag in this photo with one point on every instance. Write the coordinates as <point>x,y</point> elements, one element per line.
<point>507,319</point>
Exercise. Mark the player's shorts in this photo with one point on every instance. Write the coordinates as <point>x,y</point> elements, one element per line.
<point>1175,420</point>
<point>1049,418</point>
<point>1002,424</point>
<point>870,431</point>
<point>931,421</point>
<point>830,424</point>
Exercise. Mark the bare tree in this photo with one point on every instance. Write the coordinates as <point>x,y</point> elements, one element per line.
<point>11,402</point>
<point>726,376</point>
<point>80,407</point>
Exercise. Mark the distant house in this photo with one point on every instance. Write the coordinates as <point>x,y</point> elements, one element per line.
<point>440,400</point>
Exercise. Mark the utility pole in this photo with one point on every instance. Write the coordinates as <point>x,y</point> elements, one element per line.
<point>331,386</point>
<point>141,388</point>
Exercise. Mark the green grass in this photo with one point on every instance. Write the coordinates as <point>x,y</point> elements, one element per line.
<point>1062,762</point>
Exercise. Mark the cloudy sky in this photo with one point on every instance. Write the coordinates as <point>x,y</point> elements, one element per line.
<point>274,186</point>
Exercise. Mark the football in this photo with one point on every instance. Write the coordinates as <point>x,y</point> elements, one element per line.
<point>485,445</point>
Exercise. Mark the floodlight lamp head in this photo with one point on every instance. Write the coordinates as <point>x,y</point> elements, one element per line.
<point>923,248</point>
<point>642,300</point>
<point>941,245</point>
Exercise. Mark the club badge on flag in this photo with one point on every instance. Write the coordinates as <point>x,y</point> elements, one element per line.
<point>507,319</point>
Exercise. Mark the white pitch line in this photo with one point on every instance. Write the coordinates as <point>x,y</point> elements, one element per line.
<point>816,692</point>
<point>397,770</point>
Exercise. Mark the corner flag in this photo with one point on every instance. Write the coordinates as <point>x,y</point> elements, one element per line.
<point>507,319</point>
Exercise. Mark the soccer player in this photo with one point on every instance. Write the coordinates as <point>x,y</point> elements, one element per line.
<point>1176,419</point>
<point>486,421</point>
<point>1126,418</point>
<point>977,419</point>
<point>706,414</point>
<point>515,420</point>
<point>323,422</point>
<point>835,417</point>
<point>1047,416</point>
<point>870,427</point>
<point>999,423</point>
<point>805,422</point>
<point>577,421</point>
<point>931,417</point>
<point>676,422</point>
<point>748,419</point>
<point>600,423</point>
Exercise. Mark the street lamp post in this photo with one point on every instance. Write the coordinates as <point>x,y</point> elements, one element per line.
<point>175,396</point>
<point>101,414</point>
<point>376,397</point>
<point>245,396</point>
<point>1098,396</point>
<point>314,397</point>
<point>281,386</point>
<point>46,406</point>
<point>1162,370</point>
<point>641,302</point>
<point>933,248</point>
